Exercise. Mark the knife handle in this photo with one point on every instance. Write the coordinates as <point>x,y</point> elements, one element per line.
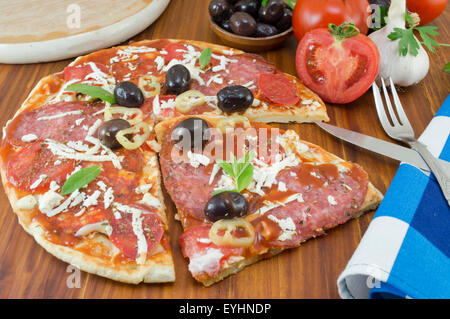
<point>439,172</point>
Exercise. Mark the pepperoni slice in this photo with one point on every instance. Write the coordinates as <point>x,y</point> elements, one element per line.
<point>124,238</point>
<point>45,122</point>
<point>79,72</point>
<point>34,160</point>
<point>278,89</point>
<point>330,198</point>
<point>175,51</point>
<point>195,241</point>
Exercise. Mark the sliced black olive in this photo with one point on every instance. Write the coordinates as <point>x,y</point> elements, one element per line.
<point>191,133</point>
<point>285,21</point>
<point>226,205</point>
<point>249,6</point>
<point>220,10</point>
<point>128,94</point>
<point>243,24</point>
<point>178,79</point>
<point>226,25</point>
<point>265,30</point>
<point>234,98</point>
<point>272,11</point>
<point>108,130</point>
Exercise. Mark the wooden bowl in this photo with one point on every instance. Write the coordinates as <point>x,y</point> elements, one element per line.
<point>249,43</point>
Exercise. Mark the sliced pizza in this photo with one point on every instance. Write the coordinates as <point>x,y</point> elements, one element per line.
<point>252,191</point>
<point>190,88</point>
<point>113,223</point>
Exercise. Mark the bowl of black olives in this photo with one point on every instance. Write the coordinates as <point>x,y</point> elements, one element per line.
<point>251,25</point>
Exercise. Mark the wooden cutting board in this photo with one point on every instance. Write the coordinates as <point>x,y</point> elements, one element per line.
<point>39,31</point>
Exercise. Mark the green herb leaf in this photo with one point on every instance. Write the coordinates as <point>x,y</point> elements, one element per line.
<point>425,33</point>
<point>240,170</point>
<point>92,90</point>
<point>205,57</point>
<point>80,178</point>
<point>407,41</point>
<point>379,17</point>
<point>264,2</point>
<point>291,3</point>
<point>447,68</point>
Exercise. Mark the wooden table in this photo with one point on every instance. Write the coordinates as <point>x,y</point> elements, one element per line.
<point>311,271</point>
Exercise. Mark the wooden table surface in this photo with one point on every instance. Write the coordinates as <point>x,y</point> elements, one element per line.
<point>311,271</point>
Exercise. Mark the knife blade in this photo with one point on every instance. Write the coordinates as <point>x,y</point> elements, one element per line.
<point>397,152</point>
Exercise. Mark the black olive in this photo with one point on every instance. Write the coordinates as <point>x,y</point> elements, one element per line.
<point>234,98</point>
<point>108,130</point>
<point>243,24</point>
<point>226,205</point>
<point>226,25</point>
<point>249,6</point>
<point>272,11</point>
<point>128,94</point>
<point>265,30</point>
<point>220,10</point>
<point>191,133</point>
<point>285,21</point>
<point>178,79</point>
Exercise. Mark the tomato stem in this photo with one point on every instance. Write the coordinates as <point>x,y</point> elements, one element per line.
<point>344,31</point>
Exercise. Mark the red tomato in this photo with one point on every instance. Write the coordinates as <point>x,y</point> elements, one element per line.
<point>339,71</point>
<point>428,10</point>
<point>313,14</point>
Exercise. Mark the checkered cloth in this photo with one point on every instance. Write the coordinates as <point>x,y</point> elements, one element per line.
<point>405,252</point>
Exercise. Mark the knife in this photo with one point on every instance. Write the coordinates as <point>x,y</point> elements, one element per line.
<point>400,153</point>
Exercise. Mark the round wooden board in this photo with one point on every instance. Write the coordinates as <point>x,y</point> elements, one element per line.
<point>39,31</point>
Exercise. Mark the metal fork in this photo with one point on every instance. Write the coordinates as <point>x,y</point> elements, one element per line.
<point>402,131</point>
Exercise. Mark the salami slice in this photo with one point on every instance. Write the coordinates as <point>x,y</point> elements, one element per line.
<point>79,72</point>
<point>35,166</point>
<point>195,243</point>
<point>64,121</point>
<point>329,198</point>
<point>124,235</point>
<point>278,89</point>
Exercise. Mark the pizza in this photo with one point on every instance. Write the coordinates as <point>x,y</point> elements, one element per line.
<point>296,192</point>
<point>80,165</point>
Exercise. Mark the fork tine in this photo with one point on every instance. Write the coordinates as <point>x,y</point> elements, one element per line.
<point>380,109</point>
<point>398,106</point>
<point>389,105</point>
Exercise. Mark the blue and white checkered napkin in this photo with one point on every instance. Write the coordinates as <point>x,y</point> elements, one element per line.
<point>405,252</point>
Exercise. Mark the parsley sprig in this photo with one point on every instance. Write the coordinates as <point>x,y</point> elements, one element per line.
<point>240,170</point>
<point>409,44</point>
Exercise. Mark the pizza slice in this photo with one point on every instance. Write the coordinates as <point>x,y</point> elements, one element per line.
<point>88,202</point>
<point>159,67</point>
<point>246,191</point>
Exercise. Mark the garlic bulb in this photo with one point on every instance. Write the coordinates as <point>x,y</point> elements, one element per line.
<point>404,70</point>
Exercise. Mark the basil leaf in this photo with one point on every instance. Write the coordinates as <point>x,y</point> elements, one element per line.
<point>245,178</point>
<point>240,170</point>
<point>92,90</point>
<point>264,2</point>
<point>227,168</point>
<point>80,178</point>
<point>205,57</point>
